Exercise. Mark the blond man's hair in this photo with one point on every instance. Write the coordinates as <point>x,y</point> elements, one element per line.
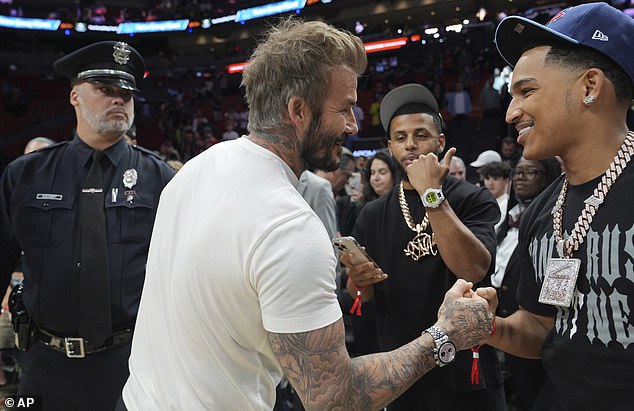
<point>296,59</point>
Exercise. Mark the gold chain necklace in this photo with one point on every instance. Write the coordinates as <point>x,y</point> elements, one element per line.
<point>565,248</point>
<point>560,278</point>
<point>423,243</point>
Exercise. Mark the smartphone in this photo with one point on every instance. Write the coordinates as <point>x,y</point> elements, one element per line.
<point>350,245</point>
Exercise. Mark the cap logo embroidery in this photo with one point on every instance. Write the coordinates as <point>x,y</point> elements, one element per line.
<point>121,53</point>
<point>519,28</point>
<point>557,17</point>
<point>598,35</point>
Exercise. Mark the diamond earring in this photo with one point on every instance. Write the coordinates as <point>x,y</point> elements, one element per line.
<point>587,100</point>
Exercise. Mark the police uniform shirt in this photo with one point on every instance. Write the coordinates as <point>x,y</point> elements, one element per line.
<point>39,197</point>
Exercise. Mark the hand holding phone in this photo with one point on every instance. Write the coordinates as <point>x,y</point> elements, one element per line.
<point>350,245</point>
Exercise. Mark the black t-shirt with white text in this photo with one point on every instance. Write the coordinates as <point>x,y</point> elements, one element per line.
<point>589,355</point>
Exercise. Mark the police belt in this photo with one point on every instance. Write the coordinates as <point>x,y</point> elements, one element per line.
<point>77,347</point>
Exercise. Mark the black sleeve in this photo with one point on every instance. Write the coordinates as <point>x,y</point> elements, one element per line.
<point>479,212</point>
<point>536,221</point>
<point>10,250</point>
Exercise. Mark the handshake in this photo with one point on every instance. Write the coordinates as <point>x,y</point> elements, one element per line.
<point>467,316</point>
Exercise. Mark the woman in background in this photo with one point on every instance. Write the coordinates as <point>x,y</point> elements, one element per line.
<point>380,175</point>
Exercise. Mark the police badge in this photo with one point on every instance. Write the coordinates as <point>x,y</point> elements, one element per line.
<point>129,180</point>
<point>121,53</point>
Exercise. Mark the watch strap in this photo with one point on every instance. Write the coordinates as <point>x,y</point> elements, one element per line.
<point>440,338</point>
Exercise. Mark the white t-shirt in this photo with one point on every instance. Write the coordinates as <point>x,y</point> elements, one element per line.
<point>235,251</point>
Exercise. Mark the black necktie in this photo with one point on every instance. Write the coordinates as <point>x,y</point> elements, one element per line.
<point>95,322</point>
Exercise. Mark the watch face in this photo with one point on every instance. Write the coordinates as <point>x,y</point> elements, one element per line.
<point>431,197</point>
<point>446,352</point>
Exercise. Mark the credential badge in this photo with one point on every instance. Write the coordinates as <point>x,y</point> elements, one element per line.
<point>129,178</point>
<point>121,53</point>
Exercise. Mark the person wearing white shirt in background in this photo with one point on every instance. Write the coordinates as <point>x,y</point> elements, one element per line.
<point>497,177</point>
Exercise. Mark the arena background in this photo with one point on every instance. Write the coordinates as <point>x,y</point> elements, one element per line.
<point>194,69</point>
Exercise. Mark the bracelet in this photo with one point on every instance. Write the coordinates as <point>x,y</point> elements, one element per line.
<point>475,369</point>
<point>356,306</point>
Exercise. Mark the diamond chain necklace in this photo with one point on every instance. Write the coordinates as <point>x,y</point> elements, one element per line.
<point>565,248</point>
<point>423,243</point>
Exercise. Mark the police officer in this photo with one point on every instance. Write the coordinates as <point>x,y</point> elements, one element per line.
<point>82,211</point>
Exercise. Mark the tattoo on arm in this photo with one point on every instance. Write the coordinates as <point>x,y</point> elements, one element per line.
<point>319,368</point>
<point>470,323</point>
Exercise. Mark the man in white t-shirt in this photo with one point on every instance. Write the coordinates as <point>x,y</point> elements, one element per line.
<point>240,285</point>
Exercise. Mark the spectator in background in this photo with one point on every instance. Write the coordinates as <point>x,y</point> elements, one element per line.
<point>457,168</point>
<point>511,153</point>
<point>168,152</point>
<point>199,121</point>
<point>375,106</point>
<point>359,116</point>
<point>229,133</point>
<point>347,209</point>
<point>317,192</point>
<point>530,177</point>
<point>485,157</point>
<point>359,163</point>
<point>37,143</point>
<point>490,100</point>
<point>496,177</point>
<point>460,130</point>
<point>459,102</point>
<point>380,175</point>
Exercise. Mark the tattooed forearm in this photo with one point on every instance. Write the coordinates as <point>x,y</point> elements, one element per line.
<point>319,368</point>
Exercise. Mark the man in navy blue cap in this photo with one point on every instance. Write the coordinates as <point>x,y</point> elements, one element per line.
<point>571,89</point>
<point>83,212</point>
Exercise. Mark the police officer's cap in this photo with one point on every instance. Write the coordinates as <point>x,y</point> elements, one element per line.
<point>109,62</point>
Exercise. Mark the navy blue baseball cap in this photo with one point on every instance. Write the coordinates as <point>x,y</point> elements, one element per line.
<point>110,62</point>
<point>595,25</point>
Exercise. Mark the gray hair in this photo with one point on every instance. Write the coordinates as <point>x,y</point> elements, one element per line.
<point>458,160</point>
<point>296,59</point>
<point>41,141</point>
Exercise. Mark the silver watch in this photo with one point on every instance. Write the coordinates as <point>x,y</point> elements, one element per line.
<point>432,197</point>
<point>444,349</point>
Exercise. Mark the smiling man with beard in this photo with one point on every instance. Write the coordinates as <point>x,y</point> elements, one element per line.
<point>427,232</point>
<point>246,267</point>
<point>82,211</point>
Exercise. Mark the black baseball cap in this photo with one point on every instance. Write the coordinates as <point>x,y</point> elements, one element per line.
<point>110,62</point>
<point>406,94</point>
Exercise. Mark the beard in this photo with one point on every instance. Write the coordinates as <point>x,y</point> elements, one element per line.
<point>317,147</point>
<point>101,125</point>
